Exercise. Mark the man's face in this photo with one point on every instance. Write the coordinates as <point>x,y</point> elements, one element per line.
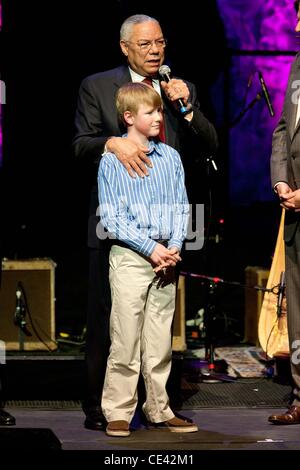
<point>145,60</point>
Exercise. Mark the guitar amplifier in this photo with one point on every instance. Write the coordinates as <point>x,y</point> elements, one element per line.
<point>36,280</point>
<point>254,276</point>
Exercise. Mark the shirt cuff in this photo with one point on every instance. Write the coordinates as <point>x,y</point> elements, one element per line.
<point>175,243</point>
<point>276,184</point>
<point>147,247</point>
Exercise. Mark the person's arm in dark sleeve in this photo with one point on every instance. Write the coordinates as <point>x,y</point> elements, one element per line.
<point>89,141</point>
<point>200,125</point>
<point>279,153</point>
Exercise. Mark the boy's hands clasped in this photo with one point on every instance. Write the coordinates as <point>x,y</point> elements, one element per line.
<point>164,258</point>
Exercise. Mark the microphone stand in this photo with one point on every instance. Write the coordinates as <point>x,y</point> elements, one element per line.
<point>19,317</point>
<point>258,97</point>
<point>20,322</point>
<point>210,375</point>
<point>280,294</point>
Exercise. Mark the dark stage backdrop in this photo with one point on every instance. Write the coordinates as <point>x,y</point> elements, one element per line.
<point>2,95</point>
<point>260,37</point>
<point>46,51</point>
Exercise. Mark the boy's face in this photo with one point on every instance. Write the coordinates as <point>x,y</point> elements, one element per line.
<point>146,121</point>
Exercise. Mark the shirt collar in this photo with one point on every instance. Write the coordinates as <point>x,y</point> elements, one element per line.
<point>153,146</point>
<point>136,77</point>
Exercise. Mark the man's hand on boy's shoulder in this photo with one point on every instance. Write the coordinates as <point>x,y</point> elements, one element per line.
<point>132,156</point>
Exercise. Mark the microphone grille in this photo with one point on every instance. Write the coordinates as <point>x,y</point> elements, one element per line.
<point>164,70</point>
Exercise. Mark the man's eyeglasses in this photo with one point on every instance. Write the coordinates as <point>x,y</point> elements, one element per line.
<point>147,45</point>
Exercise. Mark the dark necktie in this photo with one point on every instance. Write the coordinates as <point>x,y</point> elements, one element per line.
<point>162,134</point>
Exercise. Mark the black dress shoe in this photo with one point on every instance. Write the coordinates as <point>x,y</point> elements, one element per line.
<point>94,419</point>
<point>6,419</point>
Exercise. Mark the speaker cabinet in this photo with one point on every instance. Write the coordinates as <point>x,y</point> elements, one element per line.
<point>36,278</point>
<point>179,342</point>
<point>255,276</point>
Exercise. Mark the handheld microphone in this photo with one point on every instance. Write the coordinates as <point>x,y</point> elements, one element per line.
<point>281,290</point>
<point>266,94</point>
<point>20,311</point>
<point>19,307</point>
<point>165,72</point>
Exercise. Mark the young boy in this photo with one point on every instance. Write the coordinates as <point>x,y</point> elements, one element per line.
<point>148,218</point>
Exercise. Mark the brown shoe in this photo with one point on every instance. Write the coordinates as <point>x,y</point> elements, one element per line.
<point>291,416</point>
<point>118,428</point>
<point>180,425</point>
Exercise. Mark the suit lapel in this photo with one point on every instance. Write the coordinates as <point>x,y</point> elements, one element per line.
<point>122,76</point>
<point>170,121</point>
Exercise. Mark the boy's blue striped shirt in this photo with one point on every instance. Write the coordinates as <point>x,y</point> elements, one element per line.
<point>138,210</point>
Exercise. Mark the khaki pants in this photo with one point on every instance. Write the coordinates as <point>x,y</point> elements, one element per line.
<point>140,331</point>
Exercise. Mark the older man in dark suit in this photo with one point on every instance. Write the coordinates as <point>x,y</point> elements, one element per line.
<point>97,126</point>
<point>285,174</point>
